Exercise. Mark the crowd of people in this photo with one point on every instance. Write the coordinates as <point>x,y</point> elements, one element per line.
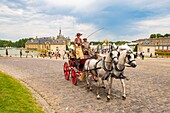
<point>81,50</point>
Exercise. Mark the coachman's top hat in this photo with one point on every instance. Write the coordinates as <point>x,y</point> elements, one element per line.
<point>84,38</point>
<point>78,34</point>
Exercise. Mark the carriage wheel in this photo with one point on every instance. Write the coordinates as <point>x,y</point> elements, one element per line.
<point>66,71</point>
<point>74,78</point>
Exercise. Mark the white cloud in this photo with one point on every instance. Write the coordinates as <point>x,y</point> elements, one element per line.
<point>154,25</point>
<point>30,23</point>
<point>19,21</point>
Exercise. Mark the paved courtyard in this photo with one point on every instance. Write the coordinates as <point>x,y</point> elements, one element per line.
<point>148,90</point>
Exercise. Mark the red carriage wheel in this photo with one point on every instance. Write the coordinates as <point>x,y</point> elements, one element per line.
<point>74,78</point>
<point>66,71</point>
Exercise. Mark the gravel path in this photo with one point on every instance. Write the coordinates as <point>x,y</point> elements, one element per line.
<point>147,90</point>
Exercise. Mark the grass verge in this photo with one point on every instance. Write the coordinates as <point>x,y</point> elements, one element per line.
<point>15,97</point>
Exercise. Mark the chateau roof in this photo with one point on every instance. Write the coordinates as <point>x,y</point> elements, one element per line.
<point>40,40</point>
<point>60,39</point>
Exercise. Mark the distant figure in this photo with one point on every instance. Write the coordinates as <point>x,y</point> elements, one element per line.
<point>136,54</point>
<point>21,53</point>
<point>143,55</point>
<point>65,53</point>
<point>32,54</point>
<point>6,52</point>
<point>151,55</point>
<point>98,48</point>
<point>156,55</point>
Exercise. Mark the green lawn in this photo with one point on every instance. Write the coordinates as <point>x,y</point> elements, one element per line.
<point>15,97</point>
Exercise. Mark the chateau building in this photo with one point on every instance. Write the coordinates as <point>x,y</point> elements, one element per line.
<point>49,43</point>
<point>154,44</point>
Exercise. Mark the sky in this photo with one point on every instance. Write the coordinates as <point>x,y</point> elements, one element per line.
<point>119,20</point>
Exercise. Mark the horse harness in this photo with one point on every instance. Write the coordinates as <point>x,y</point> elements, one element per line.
<point>104,66</point>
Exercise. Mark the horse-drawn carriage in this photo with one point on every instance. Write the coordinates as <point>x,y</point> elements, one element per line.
<point>73,67</point>
<point>104,68</point>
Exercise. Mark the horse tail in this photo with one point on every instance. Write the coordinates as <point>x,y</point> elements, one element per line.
<point>85,67</point>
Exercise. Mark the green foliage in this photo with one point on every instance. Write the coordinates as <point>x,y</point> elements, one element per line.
<point>72,43</point>
<point>4,43</point>
<point>19,43</point>
<point>121,42</point>
<point>67,47</point>
<point>14,97</point>
<point>158,35</point>
<point>162,53</point>
<point>153,36</point>
<point>166,35</point>
<point>98,42</point>
<point>135,49</point>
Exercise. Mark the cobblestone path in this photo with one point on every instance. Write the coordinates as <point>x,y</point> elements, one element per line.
<point>148,90</point>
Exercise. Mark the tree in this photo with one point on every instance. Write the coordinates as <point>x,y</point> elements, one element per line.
<point>153,36</point>
<point>20,43</point>
<point>67,48</point>
<point>159,35</point>
<point>121,42</point>
<point>136,48</point>
<point>166,35</point>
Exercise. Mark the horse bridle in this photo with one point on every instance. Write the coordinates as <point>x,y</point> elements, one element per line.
<point>109,62</point>
<point>130,61</point>
<point>128,55</point>
<point>104,67</point>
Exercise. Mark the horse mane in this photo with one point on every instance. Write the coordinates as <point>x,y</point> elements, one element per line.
<point>108,57</point>
<point>122,57</point>
<point>124,47</point>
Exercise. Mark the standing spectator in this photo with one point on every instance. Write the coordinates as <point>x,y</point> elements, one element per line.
<point>143,55</point>
<point>140,54</point>
<point>32,54</point>
<point>151,55</point>
<point>6,52</point>
<point>98,48</point>
<point>156,55</point>
<point>20,53</point>
<point>64,54</point>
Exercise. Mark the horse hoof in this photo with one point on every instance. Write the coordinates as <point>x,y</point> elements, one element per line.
<point>103,87</point>
<point>123,98</point>
<point>90,89</point>
<point>88,86</point>
<point>98,97</point>
<point>108,98</point>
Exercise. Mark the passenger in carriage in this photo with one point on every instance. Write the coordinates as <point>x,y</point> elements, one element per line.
<point>78,46</point>
<point>86,48</point>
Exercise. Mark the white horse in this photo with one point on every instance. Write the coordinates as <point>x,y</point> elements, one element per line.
<point>126,56</point>
<point>99,68</point>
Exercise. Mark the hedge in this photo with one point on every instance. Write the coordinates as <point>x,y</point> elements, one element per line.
<point>162,53</point>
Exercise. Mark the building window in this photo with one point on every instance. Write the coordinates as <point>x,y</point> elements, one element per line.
<point>165,47</point>
<point>56,48</point>
<point>156,47</point>
<point>168,47</point>
<point>148,50</point>
<point>160,47</point>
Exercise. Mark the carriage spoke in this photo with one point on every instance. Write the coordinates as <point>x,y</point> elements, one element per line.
<point>66,71</point>
<point>74,78</point>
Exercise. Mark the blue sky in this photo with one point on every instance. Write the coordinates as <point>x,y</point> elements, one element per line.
<point>122,20</point>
